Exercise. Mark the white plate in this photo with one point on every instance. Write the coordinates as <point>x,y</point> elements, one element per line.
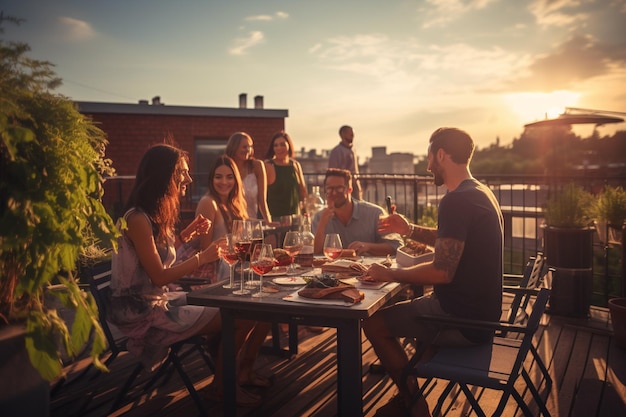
<point>289,281</point>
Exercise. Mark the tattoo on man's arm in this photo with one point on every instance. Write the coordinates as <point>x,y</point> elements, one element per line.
<point>447,255</point>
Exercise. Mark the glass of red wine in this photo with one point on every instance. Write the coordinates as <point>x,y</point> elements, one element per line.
<point>332,246</point>
<point>256,226</point>
<point>229,254</point>
<point>242,239</point>
<point>262,261</point>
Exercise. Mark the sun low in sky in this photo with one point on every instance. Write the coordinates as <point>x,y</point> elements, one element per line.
<point>395,70</point>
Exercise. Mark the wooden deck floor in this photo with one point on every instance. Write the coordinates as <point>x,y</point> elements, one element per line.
<point>588,370</point>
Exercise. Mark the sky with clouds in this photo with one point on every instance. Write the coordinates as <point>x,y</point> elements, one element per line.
<point>395,70</point>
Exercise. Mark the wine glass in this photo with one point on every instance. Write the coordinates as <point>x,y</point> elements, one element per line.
<point>256,226</point>
<point>262,261</point>
<point>292,245</point>
<point>332,246</point>
<point>242,236</point>
<point>229,254</point>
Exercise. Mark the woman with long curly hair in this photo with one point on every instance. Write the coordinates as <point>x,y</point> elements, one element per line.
<point>144,265</point>
<point>222,203</point>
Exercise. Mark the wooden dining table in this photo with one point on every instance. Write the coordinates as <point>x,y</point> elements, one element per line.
<point>285,306</point>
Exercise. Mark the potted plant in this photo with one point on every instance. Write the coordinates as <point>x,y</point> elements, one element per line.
<point>610,209</point>
<point>52,165</point>
<point>568,246</point>
<point>610,212</point>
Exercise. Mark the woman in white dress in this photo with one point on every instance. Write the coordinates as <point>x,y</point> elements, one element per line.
<point>240,149</point>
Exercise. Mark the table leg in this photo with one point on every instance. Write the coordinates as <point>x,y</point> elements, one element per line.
<point>349,365</point>
<point>229,363</point>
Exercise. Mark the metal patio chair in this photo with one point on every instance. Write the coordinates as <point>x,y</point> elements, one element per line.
<point>99,277</point>
<point>497,365</point>
<point>534,277</point>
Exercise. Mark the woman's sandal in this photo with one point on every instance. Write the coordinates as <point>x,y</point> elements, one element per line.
<point>244,397</point>
<point>257,381</point>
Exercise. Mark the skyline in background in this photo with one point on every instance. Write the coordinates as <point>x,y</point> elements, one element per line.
<point>394,70</point>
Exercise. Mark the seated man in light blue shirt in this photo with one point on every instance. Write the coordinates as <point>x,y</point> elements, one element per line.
<point>355,221</point>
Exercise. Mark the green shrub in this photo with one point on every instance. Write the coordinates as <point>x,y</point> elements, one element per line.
<point>571,207</point>
<point>52,166</point>
<point>611,206</point>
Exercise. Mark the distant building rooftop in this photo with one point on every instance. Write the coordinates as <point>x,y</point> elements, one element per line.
<point>158,108</point>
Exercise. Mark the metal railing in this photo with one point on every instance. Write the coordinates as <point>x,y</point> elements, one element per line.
<point>521,199</point>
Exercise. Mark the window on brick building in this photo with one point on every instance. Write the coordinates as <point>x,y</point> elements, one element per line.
<point>205,152</point>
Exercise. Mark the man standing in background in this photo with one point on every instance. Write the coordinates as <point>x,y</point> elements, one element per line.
<point>343,157</point>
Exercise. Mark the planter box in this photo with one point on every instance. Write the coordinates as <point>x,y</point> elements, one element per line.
<point>568,248</point>
<point>617,308</point>
<point>571,292</point>
<point>23,392</point>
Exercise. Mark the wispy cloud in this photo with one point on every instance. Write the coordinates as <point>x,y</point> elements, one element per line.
<point>243,44</point>
<point>441,12</point>
<point>74,30</point>
<point>557,12</point>
<point>267,17</point>
<point>408,63</point>
<point>577,59</point>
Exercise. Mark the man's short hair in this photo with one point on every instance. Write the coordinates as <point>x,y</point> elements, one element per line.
<point>337,172</point>
<point>342,128</point>
<point>455,142</point>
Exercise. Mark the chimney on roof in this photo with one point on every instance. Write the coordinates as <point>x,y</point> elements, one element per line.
<point>243,100</point>
<point>144,102</point>
<point>258,102</point>
<point>156,100</point>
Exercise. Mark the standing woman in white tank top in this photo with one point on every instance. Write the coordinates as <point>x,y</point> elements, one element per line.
<point>253,176</point>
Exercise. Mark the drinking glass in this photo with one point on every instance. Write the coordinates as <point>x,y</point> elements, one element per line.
<point>292,245</point>
<point>262,262</point>
<point>229,254</point>
<point>256,226</point>
<point>242,237</point>
<point>332,246</point>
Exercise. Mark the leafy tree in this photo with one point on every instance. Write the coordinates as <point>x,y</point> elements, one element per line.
<point>52,166</point>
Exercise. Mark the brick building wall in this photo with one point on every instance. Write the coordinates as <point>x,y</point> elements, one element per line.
<point>132,128</point>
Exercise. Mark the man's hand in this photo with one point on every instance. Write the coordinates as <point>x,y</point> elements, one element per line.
<point>359,247</point>
<point>378,273</point>
<point>394,223</point>
<point>327,213</point>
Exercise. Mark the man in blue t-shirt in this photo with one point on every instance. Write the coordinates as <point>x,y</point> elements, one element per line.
<point>355,221</point>
<point>466,271</point>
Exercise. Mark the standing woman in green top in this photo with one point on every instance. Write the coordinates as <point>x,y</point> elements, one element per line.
<point>285,181</point>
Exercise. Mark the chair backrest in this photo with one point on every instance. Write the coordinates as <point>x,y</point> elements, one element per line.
<point>532,325</point>
<point>99,278</point>
<point>538,270</point>
<point>535,271</point>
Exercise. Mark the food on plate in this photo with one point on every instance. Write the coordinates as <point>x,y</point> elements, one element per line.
<point>282,257</point>
<point>327,287</point>
<point>345,268</point>
<point>414,248</point>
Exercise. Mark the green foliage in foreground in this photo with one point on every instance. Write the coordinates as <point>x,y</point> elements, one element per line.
<point>52,165</point>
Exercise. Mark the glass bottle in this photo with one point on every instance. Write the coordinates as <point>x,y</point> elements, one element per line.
<point>305,257</point>
<point>314,201</point>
